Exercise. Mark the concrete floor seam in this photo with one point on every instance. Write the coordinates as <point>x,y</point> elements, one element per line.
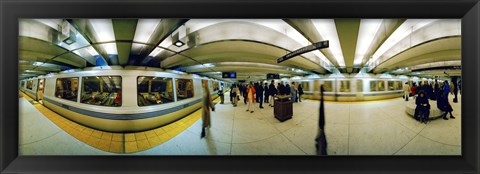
<point>409,141</point>
<point>43,138</point>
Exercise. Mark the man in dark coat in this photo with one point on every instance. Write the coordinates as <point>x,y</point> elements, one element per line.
<point>444,105</point>
<point>266,91</point>
<point>272,93</point>
<point>259,94</point>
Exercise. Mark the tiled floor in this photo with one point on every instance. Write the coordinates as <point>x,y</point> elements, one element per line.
<point>352,128</point>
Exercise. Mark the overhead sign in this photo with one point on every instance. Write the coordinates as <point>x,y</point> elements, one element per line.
<point>315,46</point>
<point>273,76</point>
<point>229,75</point>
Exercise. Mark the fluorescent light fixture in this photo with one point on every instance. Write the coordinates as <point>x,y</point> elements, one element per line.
<point>103,30</point>
<point>155,52</point>
<point>92,51</point>
<point>179,43</point>
<point>110,48</point>
<point>275,24</point>
<point>145,29</point>
<point>407,28</point>
<point>37,63</point>
<point>328,31</point>
<point>368,29</point>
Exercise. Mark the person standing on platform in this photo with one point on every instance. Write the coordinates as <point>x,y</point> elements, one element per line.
<point>413,89</point>
<point>272,93</point>
<point>460,87</point>
<point>235,95</point>
<point>220,93</point>
<point>266,91</point>
<point>231,93</point>
<point>287,90</point>
<point>207,104</point>
<point>446,89</point>
<point>300,92</point>
<point>293,92</point>
<point>406,91</point>
<point>255,86</point>
<point>455,89</point>
<point>444,105</point>
<point>244,88</point>
<point>260,94</point>
<point>251,98</point>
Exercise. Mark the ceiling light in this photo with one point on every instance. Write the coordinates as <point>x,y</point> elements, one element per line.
<point>327,29</point>
<point>37,63</point>
<point>406,29</point>
<point>179,43</point>
<point>145,29</point>
<point>366,34</point>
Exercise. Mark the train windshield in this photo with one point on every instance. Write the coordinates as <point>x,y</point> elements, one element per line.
<point>102,90</point>
<point>154,90</point>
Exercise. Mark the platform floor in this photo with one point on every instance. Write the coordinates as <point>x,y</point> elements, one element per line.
<point>352,128</point>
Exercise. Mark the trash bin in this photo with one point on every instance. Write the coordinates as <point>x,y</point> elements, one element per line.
<point>283,108</point>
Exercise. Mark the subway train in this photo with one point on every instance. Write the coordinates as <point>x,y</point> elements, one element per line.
<point>353,87</point>
<point>120,99</point>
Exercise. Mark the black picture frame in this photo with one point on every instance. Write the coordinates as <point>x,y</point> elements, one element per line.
<point>11,11</point>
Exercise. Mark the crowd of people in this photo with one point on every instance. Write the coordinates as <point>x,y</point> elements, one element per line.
<point>255,92</point>
<point>436,92</point>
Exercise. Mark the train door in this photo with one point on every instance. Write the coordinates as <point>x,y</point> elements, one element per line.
<point>40,90</point>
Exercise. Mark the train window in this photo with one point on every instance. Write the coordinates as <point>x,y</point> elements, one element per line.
<point>102,90</point>
<point>394,85</point>
<point>373,86</point>
<point>398,85</point>
<point>22,84</point>
<point>184,88</point>
<point>154,90</point>
<point>328,86</point>
<point>345,86</point>
<point>359,85</point>
<point>305,86</point>
<point>215,86</point>
<point>316,85</point>
<point>381,85</point>
<point>67,88</point>
<point>29,84</point>
<point>390,86</point>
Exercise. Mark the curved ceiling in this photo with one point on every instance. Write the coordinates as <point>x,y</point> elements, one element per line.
<point>251,46</point>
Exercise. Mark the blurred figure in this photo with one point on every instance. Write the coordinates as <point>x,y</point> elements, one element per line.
<point>236,95</point>
<point>266,92</point>
<point>251,98</point>
<point>460,87</point>
<point>260,95</point>
<point>293,92</point>
<point>231,93</point>
<point>406,91</point>
<point>300,92</point>
<point>220,93</point>
<point>422,111</point>
<point>286,90</point>
<point>244,92</point>
<point>455,89</point>
<point>207,104</point>
<point>255,86</point>
<point>413,89</point>
<point>446,89</point>
<point>272,92</point>
<point>444,105</point>
<point>321,139</point>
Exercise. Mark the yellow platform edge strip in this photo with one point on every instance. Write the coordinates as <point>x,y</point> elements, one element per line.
<point>121,143</point>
